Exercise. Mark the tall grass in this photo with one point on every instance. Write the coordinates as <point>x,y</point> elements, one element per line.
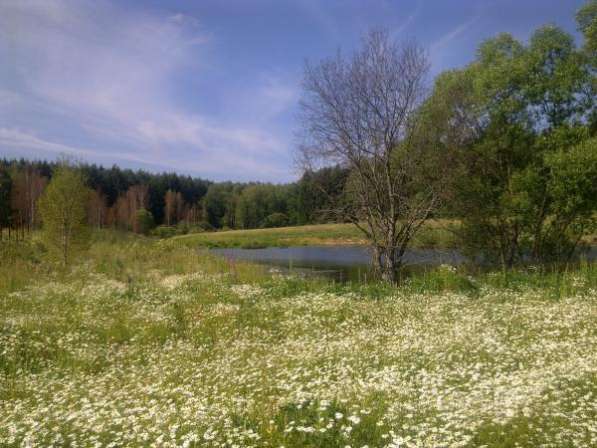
<point>20,263</point>
<point>557,281</point>
<point>142,342</point>
<point>129,257</point>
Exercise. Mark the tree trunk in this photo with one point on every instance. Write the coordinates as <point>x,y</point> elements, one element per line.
<point>376,261</point>
<point>386,264</point>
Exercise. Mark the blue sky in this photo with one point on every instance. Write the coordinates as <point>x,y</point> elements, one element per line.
<point>208,88</point>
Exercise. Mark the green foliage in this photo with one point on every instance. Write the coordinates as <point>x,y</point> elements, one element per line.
<point>276,219</point>
<point>215,205</point>
<point>587,24</point>
<point>145,222</point>
<point>281,237</point>
<point>441,279</point>
<point>257,202</point>
<point>164,231</point>
<point>219,203</point>
<point>318,192</point>
<point>509,123</point>
<point>63,211</point>
<point>20,261</point>
<point>329,421</point>
<point>572,189</point>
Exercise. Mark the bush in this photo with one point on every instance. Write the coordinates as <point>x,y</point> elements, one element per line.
<point>164,231</point>
<point>205,226</point>
<point>195,229</point>
<point>182,228</point>
<point>144,221</point>
<point>275,220</point>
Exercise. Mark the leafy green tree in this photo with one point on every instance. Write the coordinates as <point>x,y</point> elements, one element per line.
<point>251,206</point>
<point>145,222</point>
<point>256,202</point>
<point>219,204</point>
<point>276,219</point>
<point>318,193</point>
<point>501,120</point>
<point>587,24</point>
<point>572,188</point>
<point>63,213</point>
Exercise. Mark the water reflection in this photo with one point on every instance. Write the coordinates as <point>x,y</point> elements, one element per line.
<point>339,262</point>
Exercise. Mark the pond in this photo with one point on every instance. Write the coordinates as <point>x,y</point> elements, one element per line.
<point>339,262</point>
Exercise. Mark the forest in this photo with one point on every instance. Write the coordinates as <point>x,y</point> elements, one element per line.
<point>169,203</point>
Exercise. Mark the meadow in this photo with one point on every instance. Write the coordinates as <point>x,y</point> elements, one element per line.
<point>435,233</point>
<point>145,343</point>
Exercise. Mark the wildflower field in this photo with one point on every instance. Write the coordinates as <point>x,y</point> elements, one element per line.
<point>151,345</point>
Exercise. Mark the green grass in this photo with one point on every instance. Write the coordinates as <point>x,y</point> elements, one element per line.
<point>144,343</point>
<point>434,234</point>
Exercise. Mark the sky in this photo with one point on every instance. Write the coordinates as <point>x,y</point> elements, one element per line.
<point>207,88</point>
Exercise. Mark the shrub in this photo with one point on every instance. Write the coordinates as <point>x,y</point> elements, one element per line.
<point>275,220</point>
<point>164,231</point>
<point>144,221</point>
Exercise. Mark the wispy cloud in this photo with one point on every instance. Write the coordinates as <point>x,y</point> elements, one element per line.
<point>211,164</point>
<point>454,33</point>
<point>17,139</point>
<point>403,26</point>
<point>96,73</point>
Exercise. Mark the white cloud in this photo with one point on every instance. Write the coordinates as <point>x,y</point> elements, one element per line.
<point>273,94</point>
<point>15,138</point>
<point>409,20</point>
<point>452,34</point>
<point>90,71</point>
<point>211,164</point>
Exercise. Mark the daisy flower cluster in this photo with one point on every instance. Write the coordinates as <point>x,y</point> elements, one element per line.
<point>199,359</point>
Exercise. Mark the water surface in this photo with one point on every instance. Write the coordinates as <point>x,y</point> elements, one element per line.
<point>346,262</point>
<point>340,262</point>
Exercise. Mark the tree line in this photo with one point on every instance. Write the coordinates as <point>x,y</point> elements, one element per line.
<point>139,201</point>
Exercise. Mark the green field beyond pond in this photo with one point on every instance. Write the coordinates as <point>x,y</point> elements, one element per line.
<point>433,234</point>
<point>149,344</point>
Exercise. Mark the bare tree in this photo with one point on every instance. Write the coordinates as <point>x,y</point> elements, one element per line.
<point>363,113</point>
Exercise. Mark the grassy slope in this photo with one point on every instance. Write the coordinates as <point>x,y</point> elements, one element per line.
<point>145,343</point>
<point>434,234</point>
